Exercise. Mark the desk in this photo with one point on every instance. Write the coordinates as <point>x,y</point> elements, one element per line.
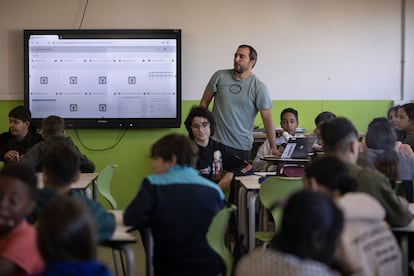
<point>275,159</point>
<point>280,164</point>
<point>247,199</point>
<point>83,184</point>
<point>121,240</point>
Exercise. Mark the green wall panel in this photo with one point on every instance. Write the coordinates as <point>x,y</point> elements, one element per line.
<point>132,151</point>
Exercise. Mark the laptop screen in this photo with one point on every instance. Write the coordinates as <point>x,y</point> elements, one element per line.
<point>298,148</point>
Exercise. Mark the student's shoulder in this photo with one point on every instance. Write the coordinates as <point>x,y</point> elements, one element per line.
<point>368,176</point>
<point>5,136</point>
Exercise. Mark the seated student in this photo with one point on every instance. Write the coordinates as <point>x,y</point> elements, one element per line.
<point>405,123</point>
<point>398,147</point>
<point>289,122</point>
<point>53,131</point>
<point>215,161</point>
<point>367,246</point>
<point>178,205</point>
<point>320,119</point>
<point>340,139</point>
<point>392,116</point>
<point>395,165</point>
<point>66,237</point>
<point>305,243</point>
<point>60,169</point>
<point>18,249</point>
<point>20,137</point>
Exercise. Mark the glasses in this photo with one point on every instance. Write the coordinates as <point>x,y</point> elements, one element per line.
<point>203,125</point>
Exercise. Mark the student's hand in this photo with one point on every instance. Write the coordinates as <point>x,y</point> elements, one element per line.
<point>225,181</point>
<point>363,147</point>
<point>404,148</point>
<point>12,156</point>
<point>403,202</point>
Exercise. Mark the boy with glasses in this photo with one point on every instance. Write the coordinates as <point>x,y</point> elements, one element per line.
<point>215,161</point>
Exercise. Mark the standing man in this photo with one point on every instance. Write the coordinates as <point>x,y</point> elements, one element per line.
<point>239,96</point>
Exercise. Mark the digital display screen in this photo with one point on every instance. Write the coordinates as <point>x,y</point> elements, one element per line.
<point>104,78</point>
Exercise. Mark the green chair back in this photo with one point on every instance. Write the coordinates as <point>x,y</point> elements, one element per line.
<point>216,237</point>
<point>103,183</point>
<point>273,189</point>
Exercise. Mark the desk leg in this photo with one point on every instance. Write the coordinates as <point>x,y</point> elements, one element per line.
<point>241,210</point>
<point>251,197</point>
<point>125,249</point>
<point>129,254</point>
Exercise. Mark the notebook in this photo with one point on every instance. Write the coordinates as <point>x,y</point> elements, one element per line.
<point>298,148</point>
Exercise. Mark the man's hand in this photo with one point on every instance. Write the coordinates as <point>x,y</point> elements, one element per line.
<point>276,152</point>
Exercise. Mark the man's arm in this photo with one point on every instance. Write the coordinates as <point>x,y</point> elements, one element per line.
<point>206,99</point>
<point>269,129</point>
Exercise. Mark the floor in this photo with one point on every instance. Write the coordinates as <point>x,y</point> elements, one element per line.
<point>105,256</point>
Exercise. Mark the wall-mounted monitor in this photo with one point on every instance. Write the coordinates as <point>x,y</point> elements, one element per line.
<point>104,78</point>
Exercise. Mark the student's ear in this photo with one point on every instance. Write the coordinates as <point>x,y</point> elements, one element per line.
<point>77,176</point>
<point>310,183</point>
<point>354,146</point>
<point>27,124</point>
<point>354,149</point>
<point>173,160</point>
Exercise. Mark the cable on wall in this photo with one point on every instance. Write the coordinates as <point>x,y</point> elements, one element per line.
<point>84,12</point>
<point>117,141</point>
<point>403,11</point>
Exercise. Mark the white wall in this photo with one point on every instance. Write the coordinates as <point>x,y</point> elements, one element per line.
<point>308,49</point>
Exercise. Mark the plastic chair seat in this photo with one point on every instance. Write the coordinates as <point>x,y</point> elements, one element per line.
<point>216,237</point>
<point>272,190</point>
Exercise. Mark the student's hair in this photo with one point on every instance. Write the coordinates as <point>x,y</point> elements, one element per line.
<point>381,135</point>
<point>66,231</point>
<point>337,135</point>
<point>289,110</point>
<point>311,224</point>
<point>21,113</point>
<point>22,172</point>
<point>393,109</point>
<point>323,117</point>
<point>178,145</point>
<point>409,109</point>
<point>197,111</point>
<point>252,53</point>
<point>331,173</point>
<point>53,126</point>
<point>61,163</point>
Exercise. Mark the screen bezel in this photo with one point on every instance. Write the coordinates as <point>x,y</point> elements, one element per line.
<point>97,122</point>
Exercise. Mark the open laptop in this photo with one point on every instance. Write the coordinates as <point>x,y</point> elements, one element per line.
<point>298,148</point>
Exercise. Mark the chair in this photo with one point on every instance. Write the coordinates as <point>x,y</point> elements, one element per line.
<point>271,191</point>
<point>216,237</point>
<point>149,250</point>
<point>103,182</point>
